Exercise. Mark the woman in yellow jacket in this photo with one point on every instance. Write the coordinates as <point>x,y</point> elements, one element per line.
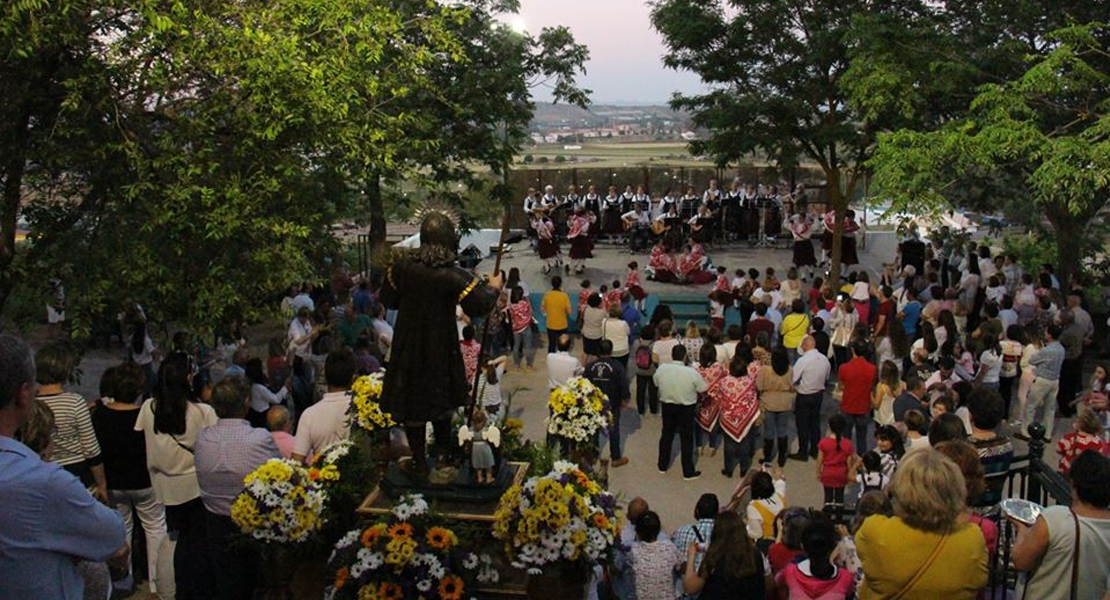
<point>928,549</point>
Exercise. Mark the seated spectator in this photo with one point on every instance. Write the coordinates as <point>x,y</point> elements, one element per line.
<point>225,454</point>
<point>326,422</point>
<point>50,520</point>
<point>788,545</point>
<point>768,500</point>
<point>732,567</point>
<point>926,549</point>
<point>280,424</point>
<point>816,577</point>
<point>701,529</point>
<point>996,452</point>
<point>654,559</point>
<point>1058,565</point>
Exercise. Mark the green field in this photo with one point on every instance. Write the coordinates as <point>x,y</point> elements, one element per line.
<point>615,154</point>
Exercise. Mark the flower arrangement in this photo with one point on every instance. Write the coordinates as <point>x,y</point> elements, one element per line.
<point>579,410</point>
<point>282,501</point>
<point>562,517</point>
<point>406,555</point>
<point>365,406</point>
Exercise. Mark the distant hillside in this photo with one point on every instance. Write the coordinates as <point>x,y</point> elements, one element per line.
<point>599,115</point>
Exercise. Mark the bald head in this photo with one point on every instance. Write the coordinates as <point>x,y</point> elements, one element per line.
<point>279,419</point>
<point>808,343</point>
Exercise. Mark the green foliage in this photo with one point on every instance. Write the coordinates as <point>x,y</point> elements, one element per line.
<point>1031,251</point>
<point>528,159</point>
<point>1045,131</point>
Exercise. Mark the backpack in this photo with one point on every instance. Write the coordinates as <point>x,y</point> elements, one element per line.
<point>643,357</point>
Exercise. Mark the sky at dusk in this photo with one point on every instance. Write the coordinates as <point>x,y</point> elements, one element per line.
<point>625,52</point>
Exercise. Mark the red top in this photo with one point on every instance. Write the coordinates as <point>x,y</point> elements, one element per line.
<point>779,556</point>
<point>814,299</point>
<point>521,315</point>
<point>757,325</point>
<point>886,309</point>
<point>857,377</point>
<point>834,462</point>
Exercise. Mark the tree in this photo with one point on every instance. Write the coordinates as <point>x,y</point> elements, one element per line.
<point>1048,129</point>
<point>774,72</point>
<point>178,156</point>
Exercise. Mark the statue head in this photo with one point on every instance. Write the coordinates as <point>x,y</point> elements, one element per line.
<point>438,229</point>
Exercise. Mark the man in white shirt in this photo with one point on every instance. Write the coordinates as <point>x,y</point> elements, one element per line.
<point>811,374</point>
<point>302,300</point>
<point>943,379</point>
<point>301,334</point>
<point>679,386</point>
<point>382,329</point>
<point>327,422</point>
<point>561,366</point>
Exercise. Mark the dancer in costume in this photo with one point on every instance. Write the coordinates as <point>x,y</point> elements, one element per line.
<point>662,265</point>
<point>547,241</point>
<point>802,229</point>
<point>581,248</point>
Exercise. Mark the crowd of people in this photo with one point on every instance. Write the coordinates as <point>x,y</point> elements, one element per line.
<point>926,369</point>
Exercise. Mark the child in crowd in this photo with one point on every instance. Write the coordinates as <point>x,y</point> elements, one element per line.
<point>788,545</point>
<point>917,436</point>
<point>833,453</point>
<point>632,284</point>
<point>872,478</point>
<point>1087,436</point>
<point>768,500</point>
<point>871,503</point>
<point>816,577</point>
<point>489,383</point>
<point>613,298</point>
<point>889,443</point>
<point>584,297</point>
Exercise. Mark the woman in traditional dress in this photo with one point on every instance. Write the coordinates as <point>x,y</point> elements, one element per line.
<point>709,407</point>
<point>802,229</point>
<point>692,266</point>
<point>848,255</point>
<point>662,265</point>
<point>611,213</point>
<point>547,242</point>
<point>730,209</point>
<point>581,247</point>
<point>739,410</point>
<point>827,238</point>
<point>701,225</point>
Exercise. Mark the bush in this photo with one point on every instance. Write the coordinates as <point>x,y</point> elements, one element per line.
<point>529,159</point>
<point>1031,250</point>
<point>543,160</point>
<point>559,158</point>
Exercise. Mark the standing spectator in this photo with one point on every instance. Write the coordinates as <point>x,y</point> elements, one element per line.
<point>739,408</point>
<point>616,330</point>
<point>857,378</point>
<point>833,456</point>
<point>520,316</point>
<point>647,395</point>
<point>226,453</point>
<point>590,326</point>
<point>890,386</point>
<point>261,396</point>
<point>280,425</point>
<point>470,349</point>
<point>811,373</point>
<point>775,383</point>
<point>910,314</point>
<point>608,374</point>
<point>843,322</point>
<point>967,459</point>
<point>353,325</point>
<point>302,332</point>
<point>654,560</point>
<point>556,308</point>
<point>122,447</point>
<point>49,518</point>
<point>1043,393</point>
<point>928,549</point>
<point>664,344</point>
<point>1059,565</point>
<point>1071,338</point>
<point>561,366</point>
<point>679,386</point>
<point>170,422</point>
<point>75,446</point>
<point>732,566</point>
<point>794,327</point>
<point>996,451</point>
<point>327,422</point>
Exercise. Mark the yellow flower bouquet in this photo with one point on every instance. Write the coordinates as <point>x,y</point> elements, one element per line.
<point>579,410</point>
<point>282,502</point>
<point>406,555</point>
<point>562,517</point>
<point>365,406</point>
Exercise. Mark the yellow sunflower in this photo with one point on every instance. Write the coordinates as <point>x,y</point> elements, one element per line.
<point>441,538</point>
<point>451,588</point>
<point>400,530</point>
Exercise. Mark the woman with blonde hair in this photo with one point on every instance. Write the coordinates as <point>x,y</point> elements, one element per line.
<point>928,549</point>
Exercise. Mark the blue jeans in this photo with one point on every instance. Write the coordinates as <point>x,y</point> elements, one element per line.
<point>776,425</point>
<point>859,423</point>
<point>523,347</point>
<point>710,438</point>
<point>740,453</point>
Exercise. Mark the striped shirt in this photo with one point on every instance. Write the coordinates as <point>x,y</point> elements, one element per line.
<point>74,437</point>
<point>995,454</point>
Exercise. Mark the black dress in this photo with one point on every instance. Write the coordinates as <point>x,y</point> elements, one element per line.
<point>425,378</point>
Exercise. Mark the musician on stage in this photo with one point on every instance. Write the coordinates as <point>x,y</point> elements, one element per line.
<point>563,211</point>
<point>637,222</point>
<point>667,203</point>
<point>711,194</point>
<point>641,200</point>
<point>749,206</point>
<point>626,199</point>
<point>611,214</point>
<point>730,211</point>
<point>711,199</point>
<point>581,247</point>
<point>531,201</point>
<point>688,205</point>
<point>667,226</point>
<point>701,225</point>
<point>591,202</point>
<point>802,229</point>
<point>547,242</point>
<point>771,204</point>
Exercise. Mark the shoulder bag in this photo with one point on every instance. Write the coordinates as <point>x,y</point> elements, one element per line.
<point>921,570</point>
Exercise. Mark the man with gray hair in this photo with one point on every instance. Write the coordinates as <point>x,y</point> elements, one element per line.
<point>225,454</point>
<point>49,518</point>
<point>811,373</point>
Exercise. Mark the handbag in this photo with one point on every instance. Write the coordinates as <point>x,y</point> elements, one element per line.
<point>921,570</point>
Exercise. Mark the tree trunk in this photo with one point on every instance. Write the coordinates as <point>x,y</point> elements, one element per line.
<point>1069,235</point>
<point>376,206</point>
<point>9,203</point>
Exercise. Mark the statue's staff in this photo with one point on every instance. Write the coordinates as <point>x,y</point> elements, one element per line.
<point>485,323</point>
